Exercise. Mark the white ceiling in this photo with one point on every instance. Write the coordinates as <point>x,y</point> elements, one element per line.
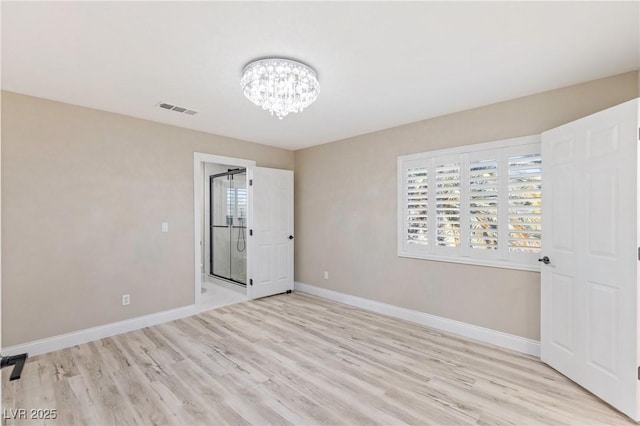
<point>381,64</point>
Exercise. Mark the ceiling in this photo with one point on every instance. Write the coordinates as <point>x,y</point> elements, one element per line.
<point>381,64</point>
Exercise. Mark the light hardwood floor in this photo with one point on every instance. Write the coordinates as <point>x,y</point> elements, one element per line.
<point>297,359</point>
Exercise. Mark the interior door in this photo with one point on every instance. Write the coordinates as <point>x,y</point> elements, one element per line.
<point>590,237</point>
<point>272,240</point>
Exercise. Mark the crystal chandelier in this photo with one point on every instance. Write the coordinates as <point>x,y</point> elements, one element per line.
<point>280,85</point>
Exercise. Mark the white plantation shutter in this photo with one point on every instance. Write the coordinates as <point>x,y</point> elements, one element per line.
<point>417,204</point>
<point>478,204</point>
<point>483,203</point>
<point>525,203</point>
<point>237,202</point>
<point>447,201</point>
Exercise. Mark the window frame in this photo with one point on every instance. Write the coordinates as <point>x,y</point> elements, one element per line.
<point>500,258</point>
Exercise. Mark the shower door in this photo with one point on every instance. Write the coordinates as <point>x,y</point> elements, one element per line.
<point>228,230</point>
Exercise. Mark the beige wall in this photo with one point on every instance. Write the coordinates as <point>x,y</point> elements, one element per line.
<point>345,211</point>
<point>84,193</point>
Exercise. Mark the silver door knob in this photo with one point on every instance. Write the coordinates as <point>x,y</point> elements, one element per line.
<point>545,260</point>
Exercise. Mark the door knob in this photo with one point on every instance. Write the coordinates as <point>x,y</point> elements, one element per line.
<point>291,237</point>
<point>545,260</point>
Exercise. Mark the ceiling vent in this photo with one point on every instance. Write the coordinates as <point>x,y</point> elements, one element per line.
<point>181,110</point>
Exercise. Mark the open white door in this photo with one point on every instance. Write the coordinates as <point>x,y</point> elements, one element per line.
<point>589,319</point>
<point>271,269</point>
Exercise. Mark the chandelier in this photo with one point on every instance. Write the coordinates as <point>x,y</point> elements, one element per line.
<point>280,85</point>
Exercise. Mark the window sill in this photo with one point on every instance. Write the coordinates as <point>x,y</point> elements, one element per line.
<point>469,261</point>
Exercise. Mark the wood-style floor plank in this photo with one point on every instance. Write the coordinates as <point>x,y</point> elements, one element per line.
<point>297,360</point>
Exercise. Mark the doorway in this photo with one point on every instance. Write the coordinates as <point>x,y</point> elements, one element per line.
<point>221,198</point>
<point>266,264</point>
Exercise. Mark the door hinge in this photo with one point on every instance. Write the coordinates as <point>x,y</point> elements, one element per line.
<point>251,233</point>
<point>638,253</point>
<point>250,182</point>
<point>638,373</point>
<point>251,283</point>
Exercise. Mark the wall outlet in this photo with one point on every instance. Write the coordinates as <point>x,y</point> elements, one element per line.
<point>165,226</point>
<point>126,299</point>
<point>326,275</point>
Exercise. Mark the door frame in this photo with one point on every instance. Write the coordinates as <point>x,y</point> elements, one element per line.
<point>199,159</point>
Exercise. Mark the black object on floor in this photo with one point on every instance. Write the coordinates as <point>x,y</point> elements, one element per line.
<point>17,361</point>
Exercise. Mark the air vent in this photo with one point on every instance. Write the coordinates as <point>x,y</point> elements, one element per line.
<point>181,110</point>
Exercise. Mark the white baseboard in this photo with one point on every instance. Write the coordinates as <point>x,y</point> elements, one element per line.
<point>486,335</point>
<point>68,340</point>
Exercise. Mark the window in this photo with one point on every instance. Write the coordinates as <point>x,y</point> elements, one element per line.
<point>478,204</point>
<point>237,202</point>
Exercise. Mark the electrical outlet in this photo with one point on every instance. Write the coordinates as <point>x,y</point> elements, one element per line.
<point>125,299</point>
<point>326,275</point>
<point>165,226</point>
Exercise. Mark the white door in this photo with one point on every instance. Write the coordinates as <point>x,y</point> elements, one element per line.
<point>272,233</point>
<point>590,236</point>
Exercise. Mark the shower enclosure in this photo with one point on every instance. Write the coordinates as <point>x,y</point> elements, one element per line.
<point>228,231</point>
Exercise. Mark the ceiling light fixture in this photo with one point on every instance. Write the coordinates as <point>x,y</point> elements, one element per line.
<point>280,85</point>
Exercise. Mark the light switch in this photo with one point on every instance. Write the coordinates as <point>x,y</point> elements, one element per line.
<point>165,226</point>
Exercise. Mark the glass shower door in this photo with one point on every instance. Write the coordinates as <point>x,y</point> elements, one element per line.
<point>228,233</point>
<point>219,236</point>
<point>238,196</point>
